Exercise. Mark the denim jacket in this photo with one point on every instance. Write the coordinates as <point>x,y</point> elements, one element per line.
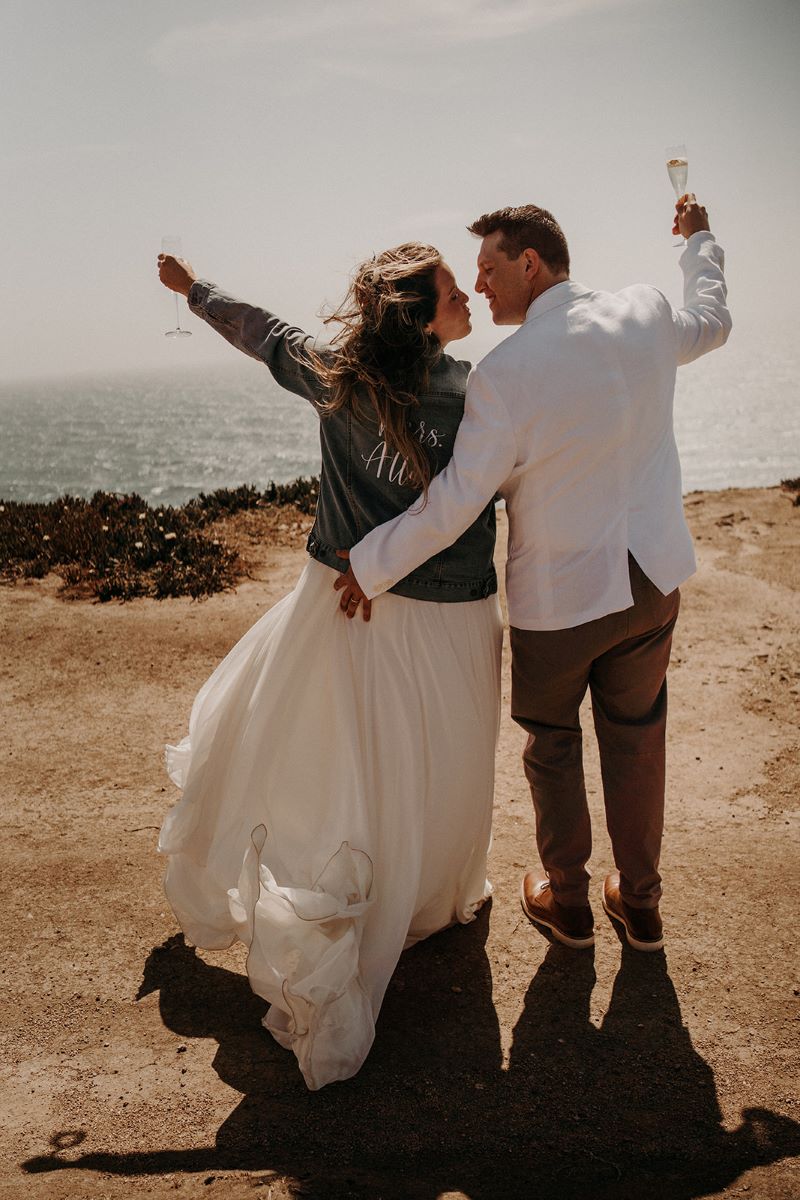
<point>362,481</point>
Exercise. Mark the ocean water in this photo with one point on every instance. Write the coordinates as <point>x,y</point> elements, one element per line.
<point>171,434</point>
<point>167,435</point>
<point>737,415</point>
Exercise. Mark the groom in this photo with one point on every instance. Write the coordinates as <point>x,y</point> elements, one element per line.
<point>570,420</point>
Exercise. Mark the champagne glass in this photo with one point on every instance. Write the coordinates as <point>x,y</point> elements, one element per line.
<point>172,245</point>
<point>678,170</point>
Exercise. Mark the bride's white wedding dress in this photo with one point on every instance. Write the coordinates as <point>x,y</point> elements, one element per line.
<point>337,798</point>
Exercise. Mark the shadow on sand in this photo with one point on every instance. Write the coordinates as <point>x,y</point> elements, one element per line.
<point>626,1110</point>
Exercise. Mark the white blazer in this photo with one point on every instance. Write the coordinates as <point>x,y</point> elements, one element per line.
<point>570,420</point>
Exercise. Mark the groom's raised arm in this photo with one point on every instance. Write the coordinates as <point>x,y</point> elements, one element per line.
<point>484,454</point>
<point>704,322</point>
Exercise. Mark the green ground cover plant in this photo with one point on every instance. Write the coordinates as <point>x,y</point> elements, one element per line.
<point>118,547</point>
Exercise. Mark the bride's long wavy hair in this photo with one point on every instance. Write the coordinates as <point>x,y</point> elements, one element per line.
<point>382,354</point>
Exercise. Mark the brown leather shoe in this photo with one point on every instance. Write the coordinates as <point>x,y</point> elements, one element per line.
<point>642,925</point>
<point>574,926</point>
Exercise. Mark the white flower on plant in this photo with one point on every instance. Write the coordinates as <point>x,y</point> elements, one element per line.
<point>138,545</point>
<point>142,516</point>
<point>105,528</point>
<point>168,537</point>
<point>46,537</point>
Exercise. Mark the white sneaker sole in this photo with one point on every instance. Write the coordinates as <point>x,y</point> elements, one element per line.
<point>573,943</point>
<point>631,940</point>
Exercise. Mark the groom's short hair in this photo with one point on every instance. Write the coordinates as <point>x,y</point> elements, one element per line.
<point>524,227</point>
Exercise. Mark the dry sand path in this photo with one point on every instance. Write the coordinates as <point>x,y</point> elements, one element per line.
<point>504,1067</point>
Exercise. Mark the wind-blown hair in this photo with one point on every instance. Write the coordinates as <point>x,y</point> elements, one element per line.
<point>382,354</point>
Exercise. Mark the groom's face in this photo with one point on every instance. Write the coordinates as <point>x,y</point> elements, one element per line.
<point>504,281</point>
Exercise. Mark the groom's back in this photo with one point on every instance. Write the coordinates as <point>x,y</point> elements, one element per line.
<point>589,380</point>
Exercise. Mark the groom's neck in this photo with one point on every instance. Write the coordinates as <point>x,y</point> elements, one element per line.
<point>542,283</point>
<point>547,281</point>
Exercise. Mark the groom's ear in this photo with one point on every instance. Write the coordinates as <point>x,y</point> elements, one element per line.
<point>532,263</point>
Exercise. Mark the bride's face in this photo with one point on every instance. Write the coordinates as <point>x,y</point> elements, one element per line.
<point>452,319</point>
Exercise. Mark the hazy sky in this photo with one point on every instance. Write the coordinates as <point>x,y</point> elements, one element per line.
<point>286,139</point>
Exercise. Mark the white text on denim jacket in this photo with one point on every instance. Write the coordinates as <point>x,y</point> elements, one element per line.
<point>388,464</point>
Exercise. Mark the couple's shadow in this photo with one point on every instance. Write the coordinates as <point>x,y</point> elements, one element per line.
<point>626,1110</point>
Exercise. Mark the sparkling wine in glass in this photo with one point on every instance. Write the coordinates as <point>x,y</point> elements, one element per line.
<point>678,171</point>
<point>172,245</point>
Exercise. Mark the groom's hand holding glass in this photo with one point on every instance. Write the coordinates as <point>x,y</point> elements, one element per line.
<point>690,217</point>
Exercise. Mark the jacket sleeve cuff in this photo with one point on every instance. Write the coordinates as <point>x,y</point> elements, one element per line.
<point>199,294</point>
<point>701,245</point>
<point>695,243</point>
<point>368,580</point>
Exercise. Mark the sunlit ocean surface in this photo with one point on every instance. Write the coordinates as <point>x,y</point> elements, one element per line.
<point>737,416</point>
<point>167,435</point>
<point>172,434</point>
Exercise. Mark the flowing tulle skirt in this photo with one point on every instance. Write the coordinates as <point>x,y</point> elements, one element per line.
<point>337,797</point>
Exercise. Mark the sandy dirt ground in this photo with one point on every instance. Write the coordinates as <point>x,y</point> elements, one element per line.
<point>504,1066</point>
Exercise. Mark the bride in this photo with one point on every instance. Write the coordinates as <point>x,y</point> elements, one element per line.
<point>338,775</point>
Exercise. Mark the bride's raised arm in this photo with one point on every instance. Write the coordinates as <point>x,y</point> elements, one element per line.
<point>255,331</point>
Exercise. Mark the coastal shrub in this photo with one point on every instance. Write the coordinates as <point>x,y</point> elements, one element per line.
<point>301,493</point>
<point>120,547</point>
<point>113,547</point>
<point>793,485</point>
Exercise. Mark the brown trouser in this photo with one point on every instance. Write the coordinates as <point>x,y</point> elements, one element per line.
<point>622,658</point>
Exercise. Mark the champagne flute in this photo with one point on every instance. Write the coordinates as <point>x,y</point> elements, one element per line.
<point>172,245</point>
<point>678,171</point>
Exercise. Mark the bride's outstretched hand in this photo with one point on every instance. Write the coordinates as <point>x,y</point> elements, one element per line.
<point>352,594</point>
<point>176,273</point>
